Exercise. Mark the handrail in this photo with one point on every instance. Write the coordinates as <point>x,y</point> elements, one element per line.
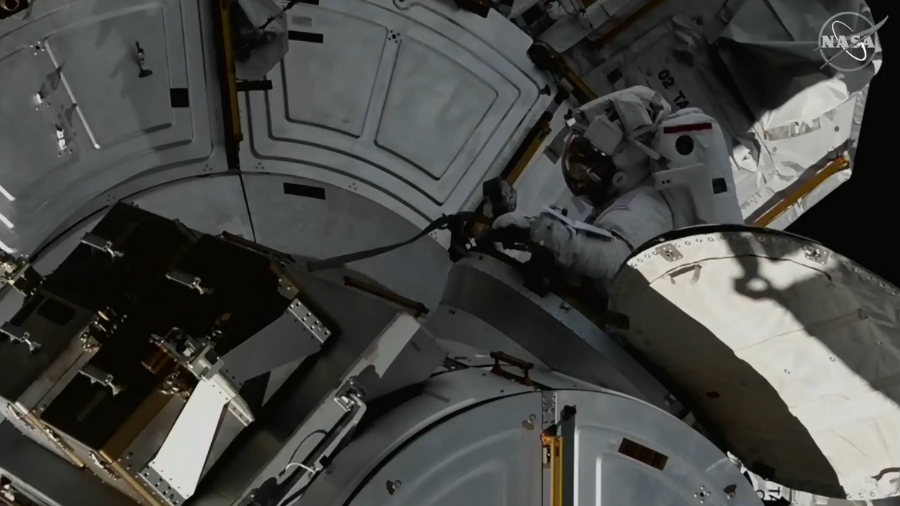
<point>629,21</point>
<point>808,187</point>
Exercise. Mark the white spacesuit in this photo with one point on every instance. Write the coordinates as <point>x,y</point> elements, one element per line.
<point>646,170</point>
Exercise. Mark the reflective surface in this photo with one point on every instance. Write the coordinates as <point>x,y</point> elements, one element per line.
<point>786,351</point>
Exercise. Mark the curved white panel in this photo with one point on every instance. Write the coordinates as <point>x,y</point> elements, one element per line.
<point>498,463</point>
<point>788,352</point>
<point>620,452</point>
<point>412,106</point>
<point>627,452</point>
<point>79,119</point>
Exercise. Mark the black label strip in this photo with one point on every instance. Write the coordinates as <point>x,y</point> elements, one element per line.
<point>643,454</point>
<point>263,85</point>
<point>315,38</point>
<point>302,190</point>
<point>179,97</point>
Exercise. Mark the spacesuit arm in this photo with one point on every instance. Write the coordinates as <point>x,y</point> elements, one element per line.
<point>590,254</point>
<point>593,255</point>
<point>628,222</point>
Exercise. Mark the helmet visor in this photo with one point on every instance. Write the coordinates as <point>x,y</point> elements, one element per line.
<point>587,171</point>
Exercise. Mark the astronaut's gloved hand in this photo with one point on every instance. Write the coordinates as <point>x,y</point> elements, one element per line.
<point>544,229</point>
<point>513,220</point>
<point>512,227</point>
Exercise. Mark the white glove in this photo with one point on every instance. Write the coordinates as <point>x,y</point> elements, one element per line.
<point>543,229</point>
<point>513,220</point>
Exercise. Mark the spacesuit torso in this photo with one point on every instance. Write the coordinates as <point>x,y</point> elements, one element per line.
<point>640,215</point>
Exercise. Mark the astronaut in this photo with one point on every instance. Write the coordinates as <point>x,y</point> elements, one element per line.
<point>645,170</point>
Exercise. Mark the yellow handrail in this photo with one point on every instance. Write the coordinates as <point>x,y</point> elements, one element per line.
<point>808,187</point>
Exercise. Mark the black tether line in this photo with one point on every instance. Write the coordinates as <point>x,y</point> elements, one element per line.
<point>438,224</point>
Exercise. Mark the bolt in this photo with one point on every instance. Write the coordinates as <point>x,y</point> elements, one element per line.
<point>730,491</point>
<point>393,486</point>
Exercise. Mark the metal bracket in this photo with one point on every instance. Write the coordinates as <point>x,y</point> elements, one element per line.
<point>89,343</point>
<point>160,487</point>
<point>816,255</point>
<point>310,467</point>
<point>104,466</point>
<point>56,439</point>
<point>548,408</point>
<point>669,252</point>
<point>188,280</point>
<point>14,413</point>
<point>18,273</point>
<point>186,450</point>
<point>102,377</point>
<point>207,368</point>
<point>101,244</point>
<point>309,320</point>
<point>347,402</point>
<point>350,395</point>
<point>142,61</point>
<point>19,335</point>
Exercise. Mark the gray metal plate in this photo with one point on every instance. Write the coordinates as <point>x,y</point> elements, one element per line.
<point>556,334</point>
<point>443,396</point>
<point>606,474</point>
<point>410,104</point>
<point>123,126</point>
<point>105,48</point>
<point>345,222</point>
<point>486,456</point>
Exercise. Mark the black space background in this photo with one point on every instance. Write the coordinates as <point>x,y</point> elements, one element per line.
<point>861,219</point>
